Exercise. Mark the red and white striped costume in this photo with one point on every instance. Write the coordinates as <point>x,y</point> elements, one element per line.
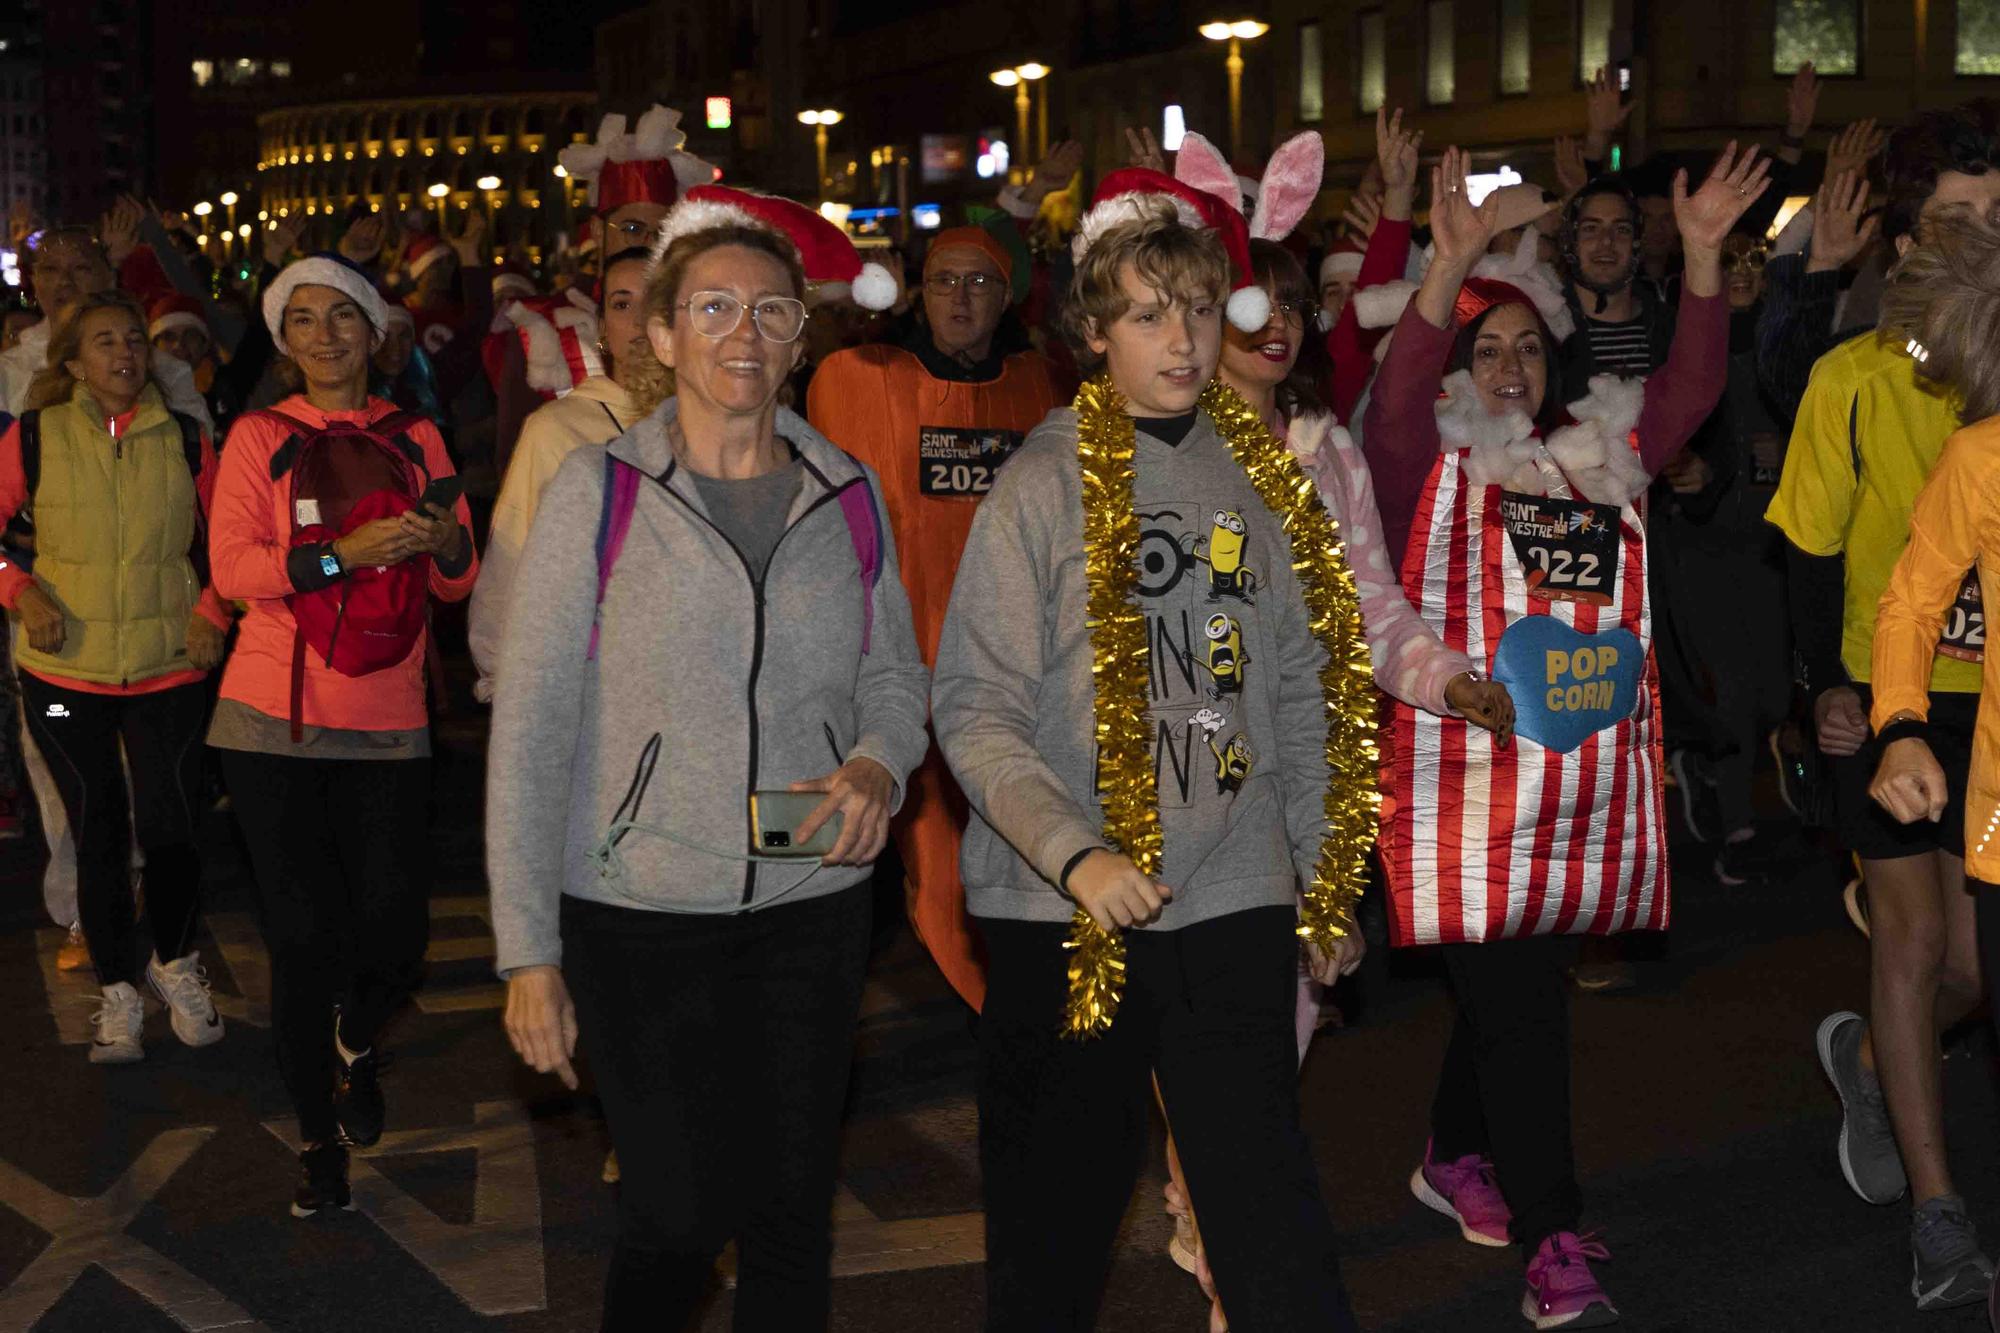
<point>1484,843</point>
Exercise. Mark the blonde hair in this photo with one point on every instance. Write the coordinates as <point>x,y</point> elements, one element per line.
<point>1945,297</point>
<point>1182,264</point>
<point>53,383</point>
<point>652,382</point>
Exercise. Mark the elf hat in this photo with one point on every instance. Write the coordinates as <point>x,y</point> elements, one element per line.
<point>645,166</point>
<point>174,312</point>
<point>832,264</point>
<point>1138,193</point>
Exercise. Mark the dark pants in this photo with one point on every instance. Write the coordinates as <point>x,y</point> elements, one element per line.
<point>1063,1125</point>
<point>1504,1090</point>
<point>1986,906</point>
<point>79,735</point>
<point>340,848</point>
<point>721,1047</point>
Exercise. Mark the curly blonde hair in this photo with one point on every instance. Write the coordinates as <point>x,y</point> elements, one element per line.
<point>652,383</point>
<point>53,383</point>
<point>1945,297</point>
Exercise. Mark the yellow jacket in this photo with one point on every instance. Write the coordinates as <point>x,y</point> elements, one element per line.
<point>1954,527</point>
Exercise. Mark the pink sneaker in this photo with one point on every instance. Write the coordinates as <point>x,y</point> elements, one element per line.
<point>1562,1291</point>
<point>1465,1192</point>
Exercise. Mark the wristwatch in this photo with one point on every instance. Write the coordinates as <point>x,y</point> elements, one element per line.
<point>329,562</point>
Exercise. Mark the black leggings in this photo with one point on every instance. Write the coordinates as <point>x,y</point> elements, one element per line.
<point>1063,1124</point>
<point>720,1046</point>
<point>1504,1090</point>
<point>79,735</point>
<point>340,848</point>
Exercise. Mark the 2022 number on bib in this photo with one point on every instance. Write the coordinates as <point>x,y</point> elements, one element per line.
<point>959,462</point>
<point>1568,548</point>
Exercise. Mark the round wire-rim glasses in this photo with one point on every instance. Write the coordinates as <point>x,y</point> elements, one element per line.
<point>778,319</point>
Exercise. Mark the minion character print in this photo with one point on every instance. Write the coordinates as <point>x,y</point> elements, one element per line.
<point>1222,552</point>
<point>1232,762</point>
<point>1226,660</point>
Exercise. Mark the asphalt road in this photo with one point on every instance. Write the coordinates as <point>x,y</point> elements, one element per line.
<point>154,1197</point>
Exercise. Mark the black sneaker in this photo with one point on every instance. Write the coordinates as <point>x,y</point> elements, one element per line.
<point>357,1098</point>
<point>1694,783</point>
<point>1741,861</point>
<point>322,1181</point>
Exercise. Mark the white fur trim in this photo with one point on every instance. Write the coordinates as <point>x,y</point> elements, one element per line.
<point>1249,308</point>
<point>429,257</point>
<point>1596,452</point>
<point>319,271</point>
<point>693,215</point>
<point>399,314</point>
<point>179,319</point>
<point>1380,306</point>
<point>1341,263</point>
<point>875,288</point>
<point>512,284</point>
<point>1132,206</point>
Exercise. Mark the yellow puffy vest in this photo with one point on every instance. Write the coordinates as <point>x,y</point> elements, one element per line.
<point>114,521</point>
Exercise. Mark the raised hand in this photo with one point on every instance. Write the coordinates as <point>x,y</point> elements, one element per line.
<point>119,228</point>
<point>1056,169</point>
<point>1604,111</point>
<point>363,241</point>
<point>1143,150</point>
<point>1359,218</point>
<point>1396,151</point>
<point>1801,101</point>
<point>1841,231</point>
<point>466,244</point>
<point>1572,172</point>
<point>281,238</point>
<point>1854,148</point>
<point>1460,233</point>
<point>1734,183</point>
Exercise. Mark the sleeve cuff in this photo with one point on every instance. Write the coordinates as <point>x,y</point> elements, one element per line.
<point>303,568</point>
<point>871,747</point>
<point>455,568</point>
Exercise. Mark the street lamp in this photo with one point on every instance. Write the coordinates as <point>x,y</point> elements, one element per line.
<point>1235,33</point>
<point>1018,78</point>
<point>819,120</point>
<point>438,192</point>
<point>228,198</point>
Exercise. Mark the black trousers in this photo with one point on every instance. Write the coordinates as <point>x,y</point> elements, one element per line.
<point>721,1047</point>
<point>79,735</point>
<point>1063,1125</point>
<point>341,850</point>
<point>1504,1090</point>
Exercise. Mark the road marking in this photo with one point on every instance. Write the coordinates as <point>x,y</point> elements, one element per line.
<point>493,1263</point>
<point>71,994</point>
<point>461,999</point>
<point>87,1232</point>
<point>241,945</point>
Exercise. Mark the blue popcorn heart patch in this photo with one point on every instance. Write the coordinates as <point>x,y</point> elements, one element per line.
<point>1567,685</point>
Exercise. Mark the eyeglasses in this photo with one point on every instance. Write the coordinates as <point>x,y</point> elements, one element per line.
<point>976,284</point>
<point>636,231</point>
<point>779,319</point>
<point>1752,260</point>
<point>1294,312</point>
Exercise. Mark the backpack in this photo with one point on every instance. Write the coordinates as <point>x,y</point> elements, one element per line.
<point>621,496</point>
<point>20,532</point>
<point>342,476</point>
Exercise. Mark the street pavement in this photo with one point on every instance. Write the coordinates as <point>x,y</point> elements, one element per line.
<point>153,1197</point>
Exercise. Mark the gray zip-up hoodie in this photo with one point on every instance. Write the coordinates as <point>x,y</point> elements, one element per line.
<point>1239,718</point>
<point>707,685</point>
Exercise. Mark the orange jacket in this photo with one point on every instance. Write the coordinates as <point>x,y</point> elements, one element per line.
<point>250,535</point>
<point>881,405</point>
<point>1954,527</point>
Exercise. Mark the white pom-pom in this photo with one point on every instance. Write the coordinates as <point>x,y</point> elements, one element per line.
<point>874,288</point>
<point>1249,308</point>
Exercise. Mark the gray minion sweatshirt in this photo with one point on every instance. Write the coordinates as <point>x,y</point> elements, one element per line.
<point>1237,713</point>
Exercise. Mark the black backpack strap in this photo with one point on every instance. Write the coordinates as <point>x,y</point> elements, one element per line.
<point>190,441</point>
<point>297,433</point>
<point>31,449</point>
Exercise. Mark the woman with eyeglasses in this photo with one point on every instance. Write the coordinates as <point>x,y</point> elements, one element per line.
<point>935,417</point>
<point>707,627</point>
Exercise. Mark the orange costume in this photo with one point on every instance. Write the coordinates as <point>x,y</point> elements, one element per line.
<point>935,442</point>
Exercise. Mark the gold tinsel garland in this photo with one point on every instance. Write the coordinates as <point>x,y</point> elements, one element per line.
<point>1127,782</point>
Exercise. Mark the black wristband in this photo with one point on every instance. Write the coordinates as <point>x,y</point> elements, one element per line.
<point>1062,880</point>
<point>1904,729</point>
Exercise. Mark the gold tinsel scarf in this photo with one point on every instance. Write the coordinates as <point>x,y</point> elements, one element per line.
<point>1127,782</point>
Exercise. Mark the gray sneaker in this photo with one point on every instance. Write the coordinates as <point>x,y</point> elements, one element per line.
<point>1948,1266</point>
<point>1868,1156</point>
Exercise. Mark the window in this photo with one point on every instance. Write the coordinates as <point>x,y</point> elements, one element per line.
<point>281,69</point>
<point>1373,76</point>
<point>1312,89</point>
<point>1440,79</point>
<point>1978,37</point>
<point>1516,44</point>
<point>1826,32</point>
<point>204,72</point>
<point>1593,38</point>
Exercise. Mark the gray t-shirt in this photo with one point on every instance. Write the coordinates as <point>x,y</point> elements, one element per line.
<point>752,512</point>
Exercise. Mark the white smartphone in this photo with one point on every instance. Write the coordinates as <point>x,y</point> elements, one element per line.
<point>774,820</point>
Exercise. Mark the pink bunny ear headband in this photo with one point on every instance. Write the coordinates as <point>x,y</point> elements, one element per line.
<point>1281,200</point>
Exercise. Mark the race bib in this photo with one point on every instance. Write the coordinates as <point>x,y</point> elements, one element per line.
<point>1567,686</point>
<point>1568,549</point>
<point>960,461</point>
<point>1964,635</point>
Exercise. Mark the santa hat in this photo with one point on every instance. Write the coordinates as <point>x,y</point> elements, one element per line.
<point>831,262</point>
<point>400,315</point>
<point>1343,260</point>
<point>1133,194</point>
<point>174,312</point>
<point>423,251</point>
<point>324,270</point>
<point>645,166</point>
<point>510,279</point>
<point>1517,279</point>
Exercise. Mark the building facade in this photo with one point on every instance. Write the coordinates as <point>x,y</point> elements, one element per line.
<point>494,152</point>
<point>23,139</point>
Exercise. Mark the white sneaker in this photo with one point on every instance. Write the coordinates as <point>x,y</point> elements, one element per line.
<point>183,986</point>
<point>119,1020</point>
